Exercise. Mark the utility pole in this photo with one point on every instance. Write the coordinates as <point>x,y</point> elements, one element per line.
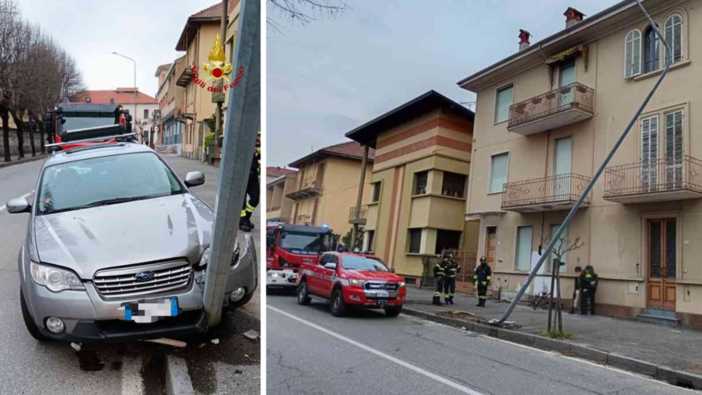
<point>243,121</point>
<point>359,198</point>
<point>223,37</point>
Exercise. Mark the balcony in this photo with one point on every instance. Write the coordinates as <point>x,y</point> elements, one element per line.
<point>655,181</point>
<point>557,108</point>
<point>545,194</point>
<point>184,77</point>
<point>358,215</point>
<point>308,189</point>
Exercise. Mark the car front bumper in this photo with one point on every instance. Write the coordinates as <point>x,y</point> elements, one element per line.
<point>90,318</point>
<point>358,297</point>
<point>281,279</point>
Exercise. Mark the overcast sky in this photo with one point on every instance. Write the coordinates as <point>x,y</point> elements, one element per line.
<point>330,76</point>
<point>90,30</point>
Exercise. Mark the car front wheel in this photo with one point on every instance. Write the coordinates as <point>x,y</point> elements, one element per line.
<point>29,321</point>
<point>338,306</point>
<point>303,296</point>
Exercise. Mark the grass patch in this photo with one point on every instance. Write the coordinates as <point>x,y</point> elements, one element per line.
<point>555,334</point>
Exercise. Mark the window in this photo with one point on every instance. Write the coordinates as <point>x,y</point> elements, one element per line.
<point>420,182</point>
<point>523,258</point>
<point>674,148</point>
<point>371,239</point>
<point>505,96</point>
<point>415,240</point>
<point>376,192</point>
<point>673,35</point>
<point>498,172</point>
<point>447,240</point>
<point>651,50</point>
<point>454,185</point>
<point>146,114</point>
<point>632,54</point>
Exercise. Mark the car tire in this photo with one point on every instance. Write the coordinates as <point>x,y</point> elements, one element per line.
<point>303,296</point>
<point>29,321</point>
<point>338,306</point>
<point>246,299</point>
<point>393,311</point>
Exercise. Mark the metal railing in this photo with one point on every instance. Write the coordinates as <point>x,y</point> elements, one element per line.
<point>357,214</point>
<point>574,95</point>
<point>563,187</point>
<point>662,175</point>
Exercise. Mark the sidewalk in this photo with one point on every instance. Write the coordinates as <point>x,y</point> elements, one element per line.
<point>676,348</point>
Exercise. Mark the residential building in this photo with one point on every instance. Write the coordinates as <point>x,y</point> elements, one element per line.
<point>197,40</point>
<point>170,97</point>
<point>327,183</point>
<point>546,118</point>
<point>418,187</point>
<point>279,182</point>
<point>141,109</point>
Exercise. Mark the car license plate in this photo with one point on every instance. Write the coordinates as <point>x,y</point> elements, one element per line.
<point>382,294</point>
<point>382,303</point>
<point>150,310</point>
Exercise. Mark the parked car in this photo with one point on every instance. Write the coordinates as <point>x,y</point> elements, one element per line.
<point>117,247</point>
<point>348,280</point>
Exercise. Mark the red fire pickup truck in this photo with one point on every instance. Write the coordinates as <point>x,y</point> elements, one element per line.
<point>351,280</point>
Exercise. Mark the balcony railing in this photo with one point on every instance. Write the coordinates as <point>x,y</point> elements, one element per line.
<point>654,181</point>
<point>357,215</point>
<point>544,194</point>
<point>573,102</point>
<point>307,189</point>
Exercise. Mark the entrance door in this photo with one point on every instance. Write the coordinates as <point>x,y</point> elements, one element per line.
<point>662,237</point>
<point>562,168</point>
<point>566,77</point>
<point>490,244</point>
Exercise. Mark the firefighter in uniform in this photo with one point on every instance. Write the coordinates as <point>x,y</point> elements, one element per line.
<point>452,269</point>
<point>439,276</point>
<point>252,189</point>
<point>481,278</point>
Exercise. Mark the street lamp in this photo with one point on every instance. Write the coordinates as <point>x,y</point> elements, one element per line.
<point>134,117</point>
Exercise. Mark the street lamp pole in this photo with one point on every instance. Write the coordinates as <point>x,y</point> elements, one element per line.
<point>134,100</point>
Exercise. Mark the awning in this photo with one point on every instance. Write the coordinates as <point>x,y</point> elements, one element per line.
<point>559,57</point>
<point>481,215</point>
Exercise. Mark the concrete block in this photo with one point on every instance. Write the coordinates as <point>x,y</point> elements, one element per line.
<point>544,343</point>
<point>681,378</point>
<point>177,378</point>
<point>632,365</point>
<point>516,337</point>
<point>588,353</point>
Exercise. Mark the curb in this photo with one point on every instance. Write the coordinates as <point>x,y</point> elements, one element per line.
<point>25,160</point>
<point>658,372</point>
<point>177,378</point>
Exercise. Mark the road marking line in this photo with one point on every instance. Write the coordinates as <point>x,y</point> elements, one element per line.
<point>382,355</point>
<point>132,382</point>
<point>24,196</point>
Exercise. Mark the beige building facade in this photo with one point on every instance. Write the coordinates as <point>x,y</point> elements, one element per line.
<point>279,183</point>
<point>327,186</point>
<point>546,118</point>
<point>415,204</point>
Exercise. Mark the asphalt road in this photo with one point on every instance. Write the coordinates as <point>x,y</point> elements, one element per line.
<point>311,352</point>
<point>30,367</point>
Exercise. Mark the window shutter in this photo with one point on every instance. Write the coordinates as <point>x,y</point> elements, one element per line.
<point>673,35</point>
<point>498,175</point>
<point>674,135</point>
<point>632,54</point>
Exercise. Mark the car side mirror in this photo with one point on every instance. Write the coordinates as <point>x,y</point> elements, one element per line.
<point>392,270</point>
<point>330,265</point>
<point>194,178</point>
<point>18,206</point>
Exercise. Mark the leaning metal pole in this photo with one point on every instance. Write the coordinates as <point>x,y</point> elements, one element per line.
<point>242,124</point>
<point>597,175</point>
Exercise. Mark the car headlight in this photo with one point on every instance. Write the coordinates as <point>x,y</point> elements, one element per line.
<point>205,257</point>
<point>402,284</point>
<point>353,281</point>
<point>54,278</point>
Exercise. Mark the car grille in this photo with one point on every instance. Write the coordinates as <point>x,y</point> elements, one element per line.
<point>381,286</point>
<point>122,283</point>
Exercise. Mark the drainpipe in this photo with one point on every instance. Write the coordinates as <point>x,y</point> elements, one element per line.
<point>359,198</point>
<point>596,176</point>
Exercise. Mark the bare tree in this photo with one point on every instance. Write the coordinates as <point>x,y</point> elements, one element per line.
<point>560,249</point>
<point>305,11</point>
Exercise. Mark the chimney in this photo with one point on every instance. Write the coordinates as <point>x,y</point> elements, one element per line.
<point>573,16</point>
<point>523,39</point>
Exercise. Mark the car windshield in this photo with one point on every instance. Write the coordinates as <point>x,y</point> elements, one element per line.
<point>356,262</point>
<point>77,122</point>
<point>106,180</point>
<point>302,242</point>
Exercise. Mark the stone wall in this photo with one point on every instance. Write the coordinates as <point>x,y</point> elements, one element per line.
<point>14,146</point>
